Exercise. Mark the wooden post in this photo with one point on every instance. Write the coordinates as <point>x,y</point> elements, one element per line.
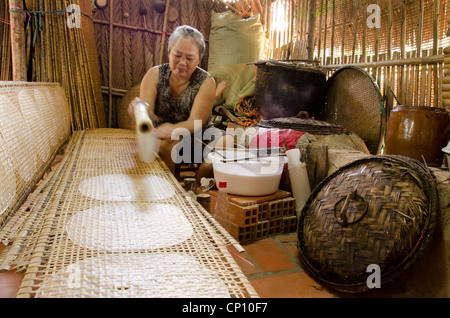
<point>325,35</point>
<point>435,51</point>
<point>320,31</point>
<point>163,40</point>
<point>110,73</point>
<point>355,30</point>
<point>344,22</point>
<point>312,10</point>
<point>364,35</point>
<point>419,50</point>
<point>19,65</point>
<point>401,91</point>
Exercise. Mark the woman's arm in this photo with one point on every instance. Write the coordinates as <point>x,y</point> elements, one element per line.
<point>148,93</point>
<point>201,110</point>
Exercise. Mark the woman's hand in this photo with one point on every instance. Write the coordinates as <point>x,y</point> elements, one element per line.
<point>164,131</point>
<point>168,131</point>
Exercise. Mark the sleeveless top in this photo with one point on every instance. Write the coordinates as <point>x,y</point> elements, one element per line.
<point>174,110</point>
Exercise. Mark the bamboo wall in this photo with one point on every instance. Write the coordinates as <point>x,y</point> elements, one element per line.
<point>406,54</point>
<point>132,37</point>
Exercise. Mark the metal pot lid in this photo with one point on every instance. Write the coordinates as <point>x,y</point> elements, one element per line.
<point>377,210</point>
<point>353,100</point>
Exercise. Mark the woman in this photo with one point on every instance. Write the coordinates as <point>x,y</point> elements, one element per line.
<point>180,95</point>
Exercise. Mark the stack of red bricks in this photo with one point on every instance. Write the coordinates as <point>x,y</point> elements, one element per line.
<point>254,218</point>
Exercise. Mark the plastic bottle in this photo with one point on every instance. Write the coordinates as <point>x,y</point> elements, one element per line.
<point>298,176</point>
<point>221,208</point>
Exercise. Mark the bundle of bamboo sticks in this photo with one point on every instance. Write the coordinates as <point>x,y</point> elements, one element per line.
<point>5,48</point>
<point>67,55</point>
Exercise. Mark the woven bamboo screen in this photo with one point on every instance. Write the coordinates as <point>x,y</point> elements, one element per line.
<point>30,138</point>
<point>404,53</point>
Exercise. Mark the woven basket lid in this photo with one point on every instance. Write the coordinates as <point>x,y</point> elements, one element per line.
<point>353,99</point>
<point>303,124</point>
<point>377,210</point>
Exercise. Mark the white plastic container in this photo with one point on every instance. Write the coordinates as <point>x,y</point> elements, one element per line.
<point>446,150</point>
<point>298,176</point>
<point>246,174</point>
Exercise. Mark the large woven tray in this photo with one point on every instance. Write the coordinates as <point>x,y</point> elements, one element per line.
<point>378,210</point>
<point>105,224</point>
<point>353,100</point>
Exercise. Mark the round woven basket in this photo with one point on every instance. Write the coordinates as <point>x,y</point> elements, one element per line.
<point>354,100</point>
<point>377,210</point>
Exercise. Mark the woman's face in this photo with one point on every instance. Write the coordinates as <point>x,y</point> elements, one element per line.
<point>184,58</point>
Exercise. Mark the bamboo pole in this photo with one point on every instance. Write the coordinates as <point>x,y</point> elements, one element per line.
<point>343,31</point>
<point>402,52</point>
<point>435,51</point>
<point>419,47</point>
<point>376,50</point>
<point>363,44</point>
<point>163,40</point>
<point>280,38</point>
<point>407,82</point>
<point>412,78</point>
<point>111,13</point>
<point>268,13</point>
<point>394,62</point>
<point>301,18</point>
<point>18,56</point>
<point>391,86</point>
<point>423,81</point>
<point>441,79</point>
<point>291,37</point>
<point>429,84</point>
<point>267,18</point>
<point>320,30</point>
<point>390,70</point>
<point>311,21</point>
<point>325,35</point>
<point>355,31</point>
<point>333,30</point>
<point>129,27</point>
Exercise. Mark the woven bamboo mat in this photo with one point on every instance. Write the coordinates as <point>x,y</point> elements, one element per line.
<point>85,233</point>
<point>30,137</point>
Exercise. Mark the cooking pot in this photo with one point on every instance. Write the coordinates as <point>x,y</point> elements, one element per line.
<point>418,132</point>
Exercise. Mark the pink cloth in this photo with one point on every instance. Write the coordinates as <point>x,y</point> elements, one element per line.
<point>274,137</point>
